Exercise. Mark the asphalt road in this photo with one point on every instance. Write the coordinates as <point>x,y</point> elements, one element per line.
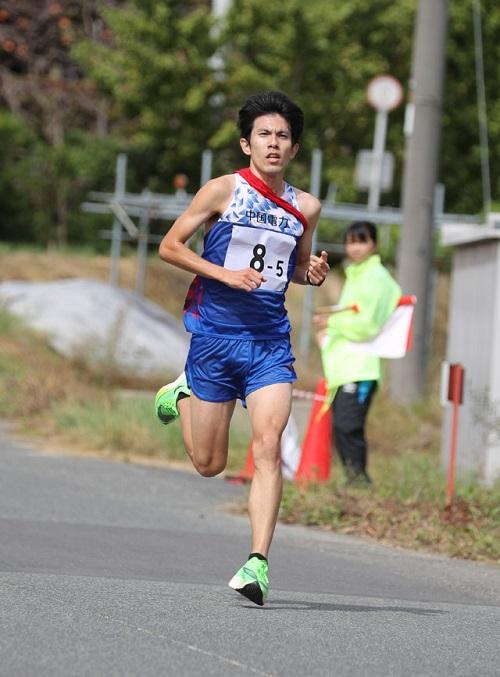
<point>112,569</point>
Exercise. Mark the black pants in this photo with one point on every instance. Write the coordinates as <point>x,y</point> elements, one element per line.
<point>349,417</point>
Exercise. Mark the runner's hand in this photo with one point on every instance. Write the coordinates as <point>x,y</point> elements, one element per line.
<point>247,279</point>
<point>318,269</point>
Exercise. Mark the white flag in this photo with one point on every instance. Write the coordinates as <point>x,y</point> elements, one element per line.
<point>394,339</point>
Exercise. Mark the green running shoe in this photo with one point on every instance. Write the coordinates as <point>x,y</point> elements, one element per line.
<point>252,580</point>
<point>166,399</point>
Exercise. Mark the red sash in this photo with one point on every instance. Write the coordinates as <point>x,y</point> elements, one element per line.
<point>264,190</point>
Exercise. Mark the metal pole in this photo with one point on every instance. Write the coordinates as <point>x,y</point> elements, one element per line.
<point>307,309</point>
<point>196,240</point>
<point>116,241</point>
<point>421,164</point>
<point>206,166</point>
<point>142,246</point>
<point>220,8</point>
<point>439,198</point>
<point>377,159</point>
<point>377,172</point>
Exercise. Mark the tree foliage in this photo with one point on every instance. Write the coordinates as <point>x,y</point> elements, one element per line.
<point>158,74</point>
<point>323,54</point>
<point>39,79</point>
<point>50,100</point>
<point>460,155</point>
<point>161,80</point>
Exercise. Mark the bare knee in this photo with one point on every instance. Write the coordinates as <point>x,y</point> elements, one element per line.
<point>267,450</point>
<point>209,469</point>
<point>208,464</point>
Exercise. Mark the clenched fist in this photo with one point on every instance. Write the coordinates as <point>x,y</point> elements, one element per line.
<point>318,269</point>
<point>247,279</point>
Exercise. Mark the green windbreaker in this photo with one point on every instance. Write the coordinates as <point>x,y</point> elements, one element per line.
<point>370,286</point>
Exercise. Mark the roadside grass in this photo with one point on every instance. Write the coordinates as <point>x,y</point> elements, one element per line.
<point>31,375</point>
<point>404,507</point>
<point>127,426</point>
<point>78,409</point>
<point>48,396</point>
<point>117,426</point>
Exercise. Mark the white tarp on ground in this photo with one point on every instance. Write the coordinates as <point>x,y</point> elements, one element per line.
<point>100,324</point>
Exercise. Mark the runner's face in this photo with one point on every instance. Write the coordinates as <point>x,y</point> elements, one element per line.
<point>358,251</point>
<point>270,147</point>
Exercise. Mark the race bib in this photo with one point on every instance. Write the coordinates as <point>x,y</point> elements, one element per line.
<point>265,251</point>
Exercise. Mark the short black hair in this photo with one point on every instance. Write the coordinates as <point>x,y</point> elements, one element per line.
<point>361,231</point>
<point>264,103</point>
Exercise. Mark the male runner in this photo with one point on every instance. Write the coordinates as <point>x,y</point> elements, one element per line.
<point>258,234</point>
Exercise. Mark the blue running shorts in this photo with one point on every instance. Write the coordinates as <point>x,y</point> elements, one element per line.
<point>221,369</point>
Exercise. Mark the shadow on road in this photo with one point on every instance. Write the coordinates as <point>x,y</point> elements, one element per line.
<point>302,605</point>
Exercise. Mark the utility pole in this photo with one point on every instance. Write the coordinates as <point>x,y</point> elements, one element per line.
<point>422,127</point>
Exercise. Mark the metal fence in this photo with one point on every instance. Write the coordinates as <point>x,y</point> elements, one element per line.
<point>145,206</point>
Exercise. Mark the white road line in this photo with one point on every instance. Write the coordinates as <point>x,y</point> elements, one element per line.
<point>190,647</point>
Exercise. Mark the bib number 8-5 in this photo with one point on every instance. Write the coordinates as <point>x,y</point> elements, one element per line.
<point>258,263</point>
<point>265,251</point>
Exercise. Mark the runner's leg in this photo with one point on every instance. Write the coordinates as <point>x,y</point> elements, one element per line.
<point>205,429</point>
<point>269,410</point>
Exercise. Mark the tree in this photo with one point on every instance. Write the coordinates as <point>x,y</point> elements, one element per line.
<point>157,72</point>
<point>41,83</point>
<point>142,73</point>
<point>460,156</point>
<point>323,55</point>
<point>17,141</point>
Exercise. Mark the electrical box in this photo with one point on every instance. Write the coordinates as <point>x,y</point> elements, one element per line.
<point>474,342</point>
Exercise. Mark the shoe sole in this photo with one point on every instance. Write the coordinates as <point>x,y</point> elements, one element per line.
<point>165,419</point>
<point>252,592</point>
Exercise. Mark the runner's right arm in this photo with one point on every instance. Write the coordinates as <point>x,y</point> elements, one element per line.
<point>208,203</point>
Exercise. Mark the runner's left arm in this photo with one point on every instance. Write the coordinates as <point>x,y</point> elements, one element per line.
<point>310,269</point>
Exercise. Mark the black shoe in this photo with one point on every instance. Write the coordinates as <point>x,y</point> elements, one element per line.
<point>358,478</point>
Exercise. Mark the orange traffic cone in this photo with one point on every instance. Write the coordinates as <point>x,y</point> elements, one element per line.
<point>316,452</point>
<point>247,472</point>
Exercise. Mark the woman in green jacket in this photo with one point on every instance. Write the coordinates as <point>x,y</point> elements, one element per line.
<point>352,376</point>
